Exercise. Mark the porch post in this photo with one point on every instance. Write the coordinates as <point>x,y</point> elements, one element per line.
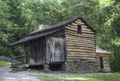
<point>25,52</point>
<point>12,56</point>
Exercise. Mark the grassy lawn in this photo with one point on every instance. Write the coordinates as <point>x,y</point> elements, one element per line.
<point>110,77</point>
<point>2,63</point>
<point>1,79</point>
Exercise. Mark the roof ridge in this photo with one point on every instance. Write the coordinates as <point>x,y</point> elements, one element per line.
<point>56,25</point>
<point>52,28</point>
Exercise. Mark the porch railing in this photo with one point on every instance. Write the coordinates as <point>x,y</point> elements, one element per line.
<point>20,60</point>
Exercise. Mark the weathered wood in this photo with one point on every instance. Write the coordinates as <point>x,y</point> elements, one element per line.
<point>79,35</point>
<point>71,43</point>
<point>57,49</point>
<point>25,53</point>
<point>50,46</point>
<point>38,51</point>
<point>80,46</point>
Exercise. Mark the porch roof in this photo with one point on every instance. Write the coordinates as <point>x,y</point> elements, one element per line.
<point>100,50</point>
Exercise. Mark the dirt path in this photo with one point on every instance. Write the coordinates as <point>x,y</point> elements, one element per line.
<point>5,73</point>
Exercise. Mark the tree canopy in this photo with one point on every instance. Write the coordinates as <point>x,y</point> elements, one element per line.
<point>19,17</point>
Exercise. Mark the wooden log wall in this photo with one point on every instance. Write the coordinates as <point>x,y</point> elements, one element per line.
<point>106,63</point>
<point>80,46</point>
<point>38,51</point>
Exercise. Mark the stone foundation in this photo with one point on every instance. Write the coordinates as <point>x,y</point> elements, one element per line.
<point>72,67</point>
<point>92,67</point>
<point>81,67</point>
<point>46,68</point>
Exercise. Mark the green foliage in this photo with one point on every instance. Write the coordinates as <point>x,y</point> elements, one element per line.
<point>18,18</point>
<point>47,78</point>
<point>1,79</point>
<point>2,64</point>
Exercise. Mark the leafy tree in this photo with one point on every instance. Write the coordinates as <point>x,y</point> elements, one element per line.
<point>18,18</point>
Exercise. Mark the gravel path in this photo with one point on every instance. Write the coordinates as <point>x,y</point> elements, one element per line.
<point>7,75</point>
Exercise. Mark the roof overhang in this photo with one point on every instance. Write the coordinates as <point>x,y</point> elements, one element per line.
<point>49,30</point>
<point>30,38</point>
<point>101,51</point>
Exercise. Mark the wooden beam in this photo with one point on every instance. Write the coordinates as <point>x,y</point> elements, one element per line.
<point>25,52</point>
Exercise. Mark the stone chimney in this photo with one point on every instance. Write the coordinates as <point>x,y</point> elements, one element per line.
<point>42,26</point>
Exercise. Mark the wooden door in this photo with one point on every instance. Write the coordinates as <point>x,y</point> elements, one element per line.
<point>83,67</point>
<point>57,49</point>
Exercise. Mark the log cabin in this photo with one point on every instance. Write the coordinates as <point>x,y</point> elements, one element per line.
<point>69,46</point>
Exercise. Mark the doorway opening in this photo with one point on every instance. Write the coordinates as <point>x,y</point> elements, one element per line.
<point>83,66</point>
<point>101,64</point>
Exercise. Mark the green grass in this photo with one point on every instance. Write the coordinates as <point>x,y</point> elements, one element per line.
<point>1,79</point>
<point>2,63</point>
<point>110,77</point>
<point>47,78</point>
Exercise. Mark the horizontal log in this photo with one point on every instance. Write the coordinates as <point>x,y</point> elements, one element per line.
<point>79,35</point>
<point>74,24</point>
<point>93,56</point>
<point>79,58</point>
<point>72,30</point>
<point>69,50</point>
<point>69,30</point>
<point>106,66</point>
<point>75,27</point>
<point>79,39</point>
<point>86,49</point>
<point>74,47</point>
<point>79,22</point>
<point>80,55</point>
<point>84,26</point>
<point>87,30</point>
<point>80,42</point>
<point>79,45</point>
<point>82,49</point>
<point>81,52</point>
<point>84,30</point>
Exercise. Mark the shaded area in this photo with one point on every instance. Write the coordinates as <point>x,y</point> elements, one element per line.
<point>36,67</point>
<point>55,67</point>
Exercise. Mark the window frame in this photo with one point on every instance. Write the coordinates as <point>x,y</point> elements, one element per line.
<point>79,29</point>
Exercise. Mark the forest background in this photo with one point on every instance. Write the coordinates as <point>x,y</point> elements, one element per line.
<point>19,17</point>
